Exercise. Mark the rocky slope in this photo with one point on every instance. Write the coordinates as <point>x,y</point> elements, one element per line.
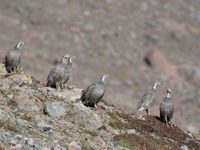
<point>33,116</point>
<point>112,37</point>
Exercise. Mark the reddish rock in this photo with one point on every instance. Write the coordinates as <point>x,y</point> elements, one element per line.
<point>157,60</point>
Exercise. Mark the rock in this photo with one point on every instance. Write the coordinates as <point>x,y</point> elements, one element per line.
<point>192,129</point>
<point>22,78</point>
<point>26,102</point>
<point>54,109</point>
<point>86,117</point>
<point>184,147</point>
<point>29,141</point>
<point>46,128</point>
<point>2,70</point>
<point>131,131</point>
<point>13,142</point>
<point>158,61</point>
<point>74,146</point>
<point>153,38</point>
<point>5,84</point>
<point>69,95</point>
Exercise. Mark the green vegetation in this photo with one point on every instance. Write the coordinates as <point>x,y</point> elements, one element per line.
<point>8,126</point>
<point>112,115</point>
<point>126,145</point>
<point>92,133</point>
<point>27,118</point>
<point>86,145</point>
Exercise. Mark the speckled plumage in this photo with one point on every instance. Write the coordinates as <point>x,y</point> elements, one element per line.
<point>167,108</point>
<point>94,93</point>
<point>60,73</point>
<point>13,58</point>
<point>147,99</point>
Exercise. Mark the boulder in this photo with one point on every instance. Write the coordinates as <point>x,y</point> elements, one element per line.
<point>86,117</point>
<point>54,109</point>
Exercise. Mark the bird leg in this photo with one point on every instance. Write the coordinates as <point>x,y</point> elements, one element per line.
<point>14,71</point>
<point>171,124</point>
<point>147,111</point>
<point>166,122</point>
<point>58,86</point>
<point>19,68</point>
<point>95,105</point>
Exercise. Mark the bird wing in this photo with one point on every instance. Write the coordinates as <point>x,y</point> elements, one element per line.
<point>97,93</point>
<point>145,100</point>
<point>55,73</point>
<point>88,92</point>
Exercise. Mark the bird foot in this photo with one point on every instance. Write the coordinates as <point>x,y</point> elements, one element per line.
<point>171,124</point>
<point>58,87</point>
<point>63,86</point>
<point>19,69</point>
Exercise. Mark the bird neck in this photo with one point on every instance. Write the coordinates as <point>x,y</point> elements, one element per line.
<point>168,95</point>
<point>102,82</point>
<point>154,87</point>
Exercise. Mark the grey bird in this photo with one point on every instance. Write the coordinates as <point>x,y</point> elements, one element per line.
<point>147,99</point>
<point>13,58</point>
<point>60,73</point>
<point>94,93</point>
<point>167,108</point>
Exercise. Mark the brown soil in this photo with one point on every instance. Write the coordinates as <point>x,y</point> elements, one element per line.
<point>153,134</point>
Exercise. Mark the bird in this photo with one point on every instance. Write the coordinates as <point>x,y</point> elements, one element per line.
<point>94,93</point>
<point>60,73</point>
<point>147,99</point>
<point>167,108</point>
<point>13,58</point>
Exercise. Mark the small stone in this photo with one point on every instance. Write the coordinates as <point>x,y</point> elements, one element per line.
<point>45,148</point>
<point>74,146</point>
<point>132,35</point>
<point>54,109</point>
<point>13,142</point>
<point>184,147</point>
<point>46,128</point>
<point>131,131</point>
<point>18,146</point>
<point>29,141</point>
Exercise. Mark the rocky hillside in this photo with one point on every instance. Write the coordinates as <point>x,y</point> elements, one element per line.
<point>33,116</point>
<point>113,37</point>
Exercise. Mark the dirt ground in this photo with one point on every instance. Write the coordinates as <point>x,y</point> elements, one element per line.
<point>112,36</point>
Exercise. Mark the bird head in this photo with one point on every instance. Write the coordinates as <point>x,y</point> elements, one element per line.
<point>155,85</point>
<point>19,45</point>
<point>70,60</point>
<point>169,93</point>
<point>104,77</point>
<point>64,58</point>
